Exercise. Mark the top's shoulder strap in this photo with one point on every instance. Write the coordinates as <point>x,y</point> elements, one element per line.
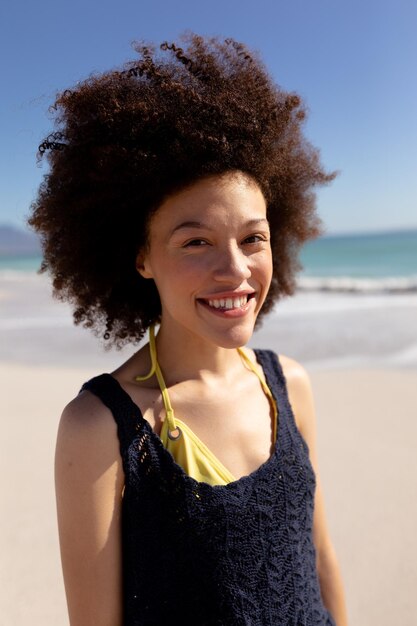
<point>275,378</point>
<point>272,369</point>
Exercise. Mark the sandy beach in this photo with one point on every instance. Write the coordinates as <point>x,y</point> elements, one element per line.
<point>366,401</point>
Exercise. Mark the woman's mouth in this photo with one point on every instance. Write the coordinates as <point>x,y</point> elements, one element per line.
<point>229,303</point>
<point>229,307</point>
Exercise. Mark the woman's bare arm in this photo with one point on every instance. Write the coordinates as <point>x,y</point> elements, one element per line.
<point>331,584</point>
<point>89,482</point>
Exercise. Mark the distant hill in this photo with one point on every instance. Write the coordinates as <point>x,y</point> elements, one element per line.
<point>15,241</point>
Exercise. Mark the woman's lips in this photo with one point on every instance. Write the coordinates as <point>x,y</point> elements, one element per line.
<point>227,303</point>
<point>228,307</point>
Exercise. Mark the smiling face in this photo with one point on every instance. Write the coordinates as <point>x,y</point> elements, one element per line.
<point>210,257</point>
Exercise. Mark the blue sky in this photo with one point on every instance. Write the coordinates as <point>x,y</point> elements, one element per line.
<point>352,61</point>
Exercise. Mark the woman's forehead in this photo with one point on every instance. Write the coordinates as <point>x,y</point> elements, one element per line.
<point>220,197</point>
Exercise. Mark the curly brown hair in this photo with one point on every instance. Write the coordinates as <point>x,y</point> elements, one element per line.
<point>126,139</point>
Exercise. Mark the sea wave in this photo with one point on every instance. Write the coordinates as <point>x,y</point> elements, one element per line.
<point>346,284</point>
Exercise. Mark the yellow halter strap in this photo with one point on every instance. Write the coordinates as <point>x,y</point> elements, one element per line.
<point>155,369</point>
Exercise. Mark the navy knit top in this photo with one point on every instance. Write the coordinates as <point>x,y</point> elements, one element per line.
<point>239,554</point>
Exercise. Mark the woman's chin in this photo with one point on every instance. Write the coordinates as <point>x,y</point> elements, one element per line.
<point>235,337</point>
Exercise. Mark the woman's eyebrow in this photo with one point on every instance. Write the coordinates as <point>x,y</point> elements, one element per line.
<point>189,224</point>
<point>201,225</point>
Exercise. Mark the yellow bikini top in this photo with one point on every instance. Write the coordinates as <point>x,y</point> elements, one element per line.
<point>186,448</point>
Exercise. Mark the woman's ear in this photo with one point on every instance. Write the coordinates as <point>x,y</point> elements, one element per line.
<point>143,265</point>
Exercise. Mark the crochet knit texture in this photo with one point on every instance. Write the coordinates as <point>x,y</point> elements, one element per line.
<point>239,554</point>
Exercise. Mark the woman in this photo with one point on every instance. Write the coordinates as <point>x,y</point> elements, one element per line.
<point>179,193</point>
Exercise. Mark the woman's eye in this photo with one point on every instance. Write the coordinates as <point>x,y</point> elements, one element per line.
<point>195,242</point>
<point>255,239</point>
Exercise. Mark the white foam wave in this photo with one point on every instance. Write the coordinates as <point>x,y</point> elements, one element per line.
<point>345,284</point>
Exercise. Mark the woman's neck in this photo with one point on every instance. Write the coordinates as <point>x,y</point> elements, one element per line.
<point>183,355</point>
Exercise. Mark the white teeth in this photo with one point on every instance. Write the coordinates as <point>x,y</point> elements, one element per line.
<point>229,303</point>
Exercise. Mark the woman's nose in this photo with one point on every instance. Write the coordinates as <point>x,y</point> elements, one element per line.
<point>231,265</point>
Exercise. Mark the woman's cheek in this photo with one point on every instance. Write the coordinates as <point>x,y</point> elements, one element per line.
<point>197,263</point>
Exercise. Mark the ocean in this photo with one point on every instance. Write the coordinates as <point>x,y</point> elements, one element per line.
<point>384,262</point>
<point>355,306</point>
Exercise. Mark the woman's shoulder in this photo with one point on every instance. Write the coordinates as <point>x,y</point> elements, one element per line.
<point>87,445</point>
<point>85,410</point>
<point>86,424</point>
<point>294,372</point>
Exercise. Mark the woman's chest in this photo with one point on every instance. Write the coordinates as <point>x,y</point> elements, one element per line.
<point>237,428</point>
